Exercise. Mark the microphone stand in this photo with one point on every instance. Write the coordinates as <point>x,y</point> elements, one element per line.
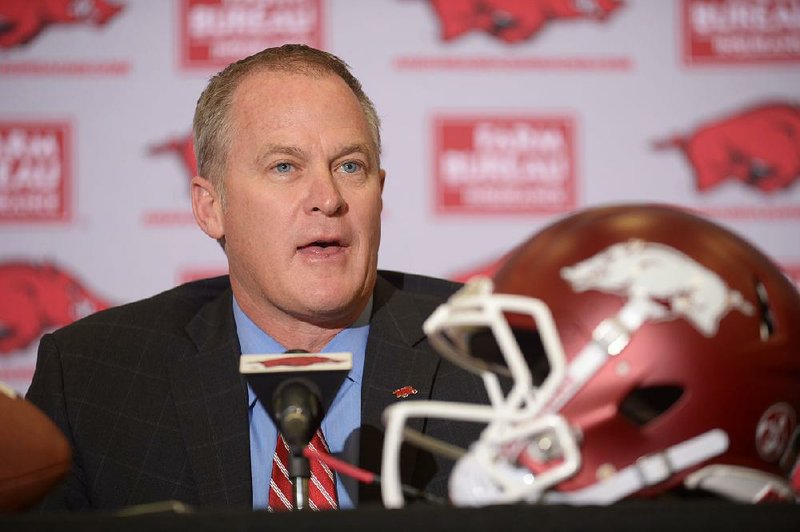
<point>295,390</point>
<point>299,472</point>
<point>297,409</point>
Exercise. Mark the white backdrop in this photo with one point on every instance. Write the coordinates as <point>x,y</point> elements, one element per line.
<point>493,126</point>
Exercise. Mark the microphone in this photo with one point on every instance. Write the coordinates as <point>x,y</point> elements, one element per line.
<point>297,410</point>
<point>296,388</point>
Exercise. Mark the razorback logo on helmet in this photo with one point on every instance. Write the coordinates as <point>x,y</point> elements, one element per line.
<point>759,146</point>
<point>34,171</point>
<point>183,147</point>
<point>514,20</point>
<point>515,165</point>
<point>737,31</point>
<point>215,33</point>
<point>21,21</point>
<point>661,281</point>
<point>35,298</point>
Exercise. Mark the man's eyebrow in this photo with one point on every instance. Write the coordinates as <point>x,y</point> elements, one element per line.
<point>270,150</point>
<point>279,149</point>
<point>356,147</point>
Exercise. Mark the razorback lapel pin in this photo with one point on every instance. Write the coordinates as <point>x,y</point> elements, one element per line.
<point>405,391</point>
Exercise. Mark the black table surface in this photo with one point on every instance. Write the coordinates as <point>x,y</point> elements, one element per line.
<point>635,515</point>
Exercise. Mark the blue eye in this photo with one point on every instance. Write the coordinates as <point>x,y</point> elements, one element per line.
<point>351,167</point>
<point>283,167</point>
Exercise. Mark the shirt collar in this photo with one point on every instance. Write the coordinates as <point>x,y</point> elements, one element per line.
<point>353,339</point>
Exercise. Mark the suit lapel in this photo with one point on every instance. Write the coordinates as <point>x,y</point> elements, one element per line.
<point>211,396</point>
<point>211,400</point>
<point>396,356</point>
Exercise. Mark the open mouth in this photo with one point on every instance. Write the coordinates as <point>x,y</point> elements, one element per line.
<point>322,248</point>
<point>321,244</point>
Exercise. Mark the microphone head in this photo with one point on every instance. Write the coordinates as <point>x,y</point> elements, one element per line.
<point>296,388</point>
<point>297,409</point>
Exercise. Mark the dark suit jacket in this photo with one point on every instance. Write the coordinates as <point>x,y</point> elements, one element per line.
<point>150,396</point>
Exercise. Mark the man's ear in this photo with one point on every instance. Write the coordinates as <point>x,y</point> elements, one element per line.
<point>207,207</point>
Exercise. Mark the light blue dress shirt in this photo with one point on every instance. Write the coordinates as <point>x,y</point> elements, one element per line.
<point>340,422</point>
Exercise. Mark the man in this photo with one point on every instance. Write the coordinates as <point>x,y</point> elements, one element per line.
<point>290,184</point>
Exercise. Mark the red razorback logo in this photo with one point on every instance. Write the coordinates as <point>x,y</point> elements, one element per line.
<point>405,391</point>
<point>514,20</point>
<point>183,147</point>
<point>295,361</point>
<point>35,298</point>
<point>22,20</point>
<point>759,147</point>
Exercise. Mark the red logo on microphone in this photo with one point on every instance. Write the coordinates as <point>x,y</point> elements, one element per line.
<point>296,362</point>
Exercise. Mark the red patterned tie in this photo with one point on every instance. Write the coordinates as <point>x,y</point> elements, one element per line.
<point>321,485</point>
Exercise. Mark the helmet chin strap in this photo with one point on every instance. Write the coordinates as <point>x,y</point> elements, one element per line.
<point>740,484</point>
<point>647,471</point>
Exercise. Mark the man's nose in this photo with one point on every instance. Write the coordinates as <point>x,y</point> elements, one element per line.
<point>324,195</point>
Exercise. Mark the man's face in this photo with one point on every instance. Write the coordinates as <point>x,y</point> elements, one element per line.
<point>303,199</point>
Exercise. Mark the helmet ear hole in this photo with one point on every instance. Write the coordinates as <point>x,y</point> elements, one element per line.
<point>767,325</point>
<point>643,405</point>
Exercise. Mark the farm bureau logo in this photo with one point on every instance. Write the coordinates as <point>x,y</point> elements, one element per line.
<point>504,165</point>
<point>736,31</point>
<point>215,33</point>
<point>35,298</point>
<point>514,20</point>
<point>21,21</point>
<point>759,146</point>
<point>34,171</point>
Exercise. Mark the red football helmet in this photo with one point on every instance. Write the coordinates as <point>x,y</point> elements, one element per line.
<point>648,349</point>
